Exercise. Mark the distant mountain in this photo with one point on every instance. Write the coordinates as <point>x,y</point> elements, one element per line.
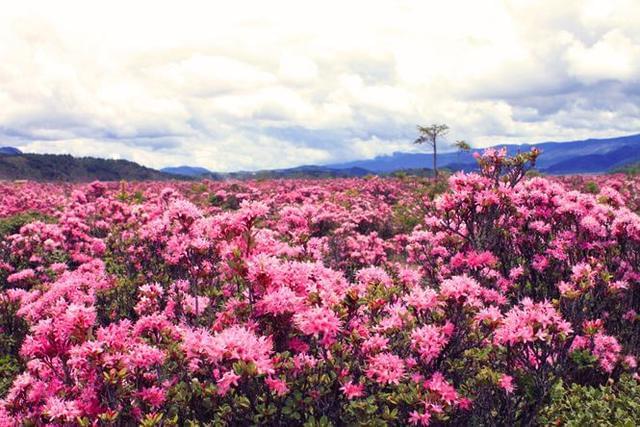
<point>593,163</point>
<point>307,171</point>
<point>586,156</point>
<point>558,158</point>
<point>186,171</point>
<point>10,151</point>
<point>52,167</point>
<point>574,157</point>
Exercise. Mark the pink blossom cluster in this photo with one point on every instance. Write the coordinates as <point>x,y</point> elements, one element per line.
<point>268,301</point>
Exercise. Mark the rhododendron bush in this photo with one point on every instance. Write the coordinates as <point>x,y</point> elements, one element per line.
<point>379,301</point>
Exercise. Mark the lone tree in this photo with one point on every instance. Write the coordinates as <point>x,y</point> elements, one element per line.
<point>430,135</point>
<point>462,146</point>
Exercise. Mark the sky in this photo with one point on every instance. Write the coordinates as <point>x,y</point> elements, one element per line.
<point>245,85</point>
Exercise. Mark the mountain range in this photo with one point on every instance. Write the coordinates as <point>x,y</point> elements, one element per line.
<point>558,158</point>
<point>15,164</point>
<point>585,156</point>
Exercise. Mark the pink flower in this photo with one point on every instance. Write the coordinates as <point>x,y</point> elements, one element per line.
<point>63,410</point>
<point>607,349</point>
<point>422,299</point>
<point>21,276</point>
<point>506,383</point>
<point>540,263</point>
<point>229,379</point>
<point>144,356</point>
<point>532,322</point>
<point>462,289</point>
<point>374,284</point>
<point>375,343</point>
<point>154,396</point>
<point>352,391</point>
<point>234,343</point>
<point>372,275</point>
<point>318,321</point>
<point>302,361</point>
<point>439,385</point>
<point>277,386</point>
<point>465,403</point>
<point>489,316</point>
<point>279,301</point>
<point>630,362</point>
<point>421,419</point>
<point>429,340</point>
<point>385,368</point>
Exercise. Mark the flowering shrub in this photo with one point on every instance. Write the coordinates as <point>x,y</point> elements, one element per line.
<point>353,301</point>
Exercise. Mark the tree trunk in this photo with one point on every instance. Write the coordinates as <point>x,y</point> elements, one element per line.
<point>435,154</point>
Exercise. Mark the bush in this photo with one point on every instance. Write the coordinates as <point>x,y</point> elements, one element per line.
<point>613,404</point>
<point>12,224</point>
<point>591,188</point>
<point>10,367</point>
<point>12,332</point>
<point>490,299</point>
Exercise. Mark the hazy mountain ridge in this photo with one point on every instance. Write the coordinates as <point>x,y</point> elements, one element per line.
<point>10,151</point>
<point>186,170</point>
<point>574,157</point>
<point>57,167</point>
<point>594,156</point>
<point>584,156</point>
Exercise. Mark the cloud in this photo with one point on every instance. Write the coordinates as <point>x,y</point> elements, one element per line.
<point>614,57</point>
<point>250,85</point>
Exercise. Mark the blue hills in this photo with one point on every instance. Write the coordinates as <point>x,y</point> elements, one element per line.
<point>558,158</point>
<point>191,171</point>
<point>10,151</point>
<point>573,157</point>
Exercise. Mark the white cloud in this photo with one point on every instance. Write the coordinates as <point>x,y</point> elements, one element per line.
<point>614,57</point>
<point>245,84</point>
<point>297,69</point>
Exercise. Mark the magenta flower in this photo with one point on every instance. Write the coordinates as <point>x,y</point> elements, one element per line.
<point>506,383</point>
<point>352,391</point>
<point>385,368</point>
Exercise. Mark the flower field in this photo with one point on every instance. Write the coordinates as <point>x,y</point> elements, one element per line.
<point>377,301</point>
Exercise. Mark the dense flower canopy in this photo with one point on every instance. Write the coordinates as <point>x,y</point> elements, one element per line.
<point>283,302</point>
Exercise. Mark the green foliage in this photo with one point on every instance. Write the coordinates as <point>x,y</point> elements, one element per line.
<point>430,136</point>
<point>10,367</point>
<point>613,404</point>
<point>136,198</point>
<point>228,203</point>
<point>13,329</point>
<point>411,173</point>
<point>534,173</point>
<point>12,224</point>
<point>401,175</point>
<point>462,145</point>
<point>435,188</point>
<point>199,187</point>
<point>632,169</point>
<point>382,409</point>
<point>119,301</point>
<point>591,187</point>
<point>405,217</point>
